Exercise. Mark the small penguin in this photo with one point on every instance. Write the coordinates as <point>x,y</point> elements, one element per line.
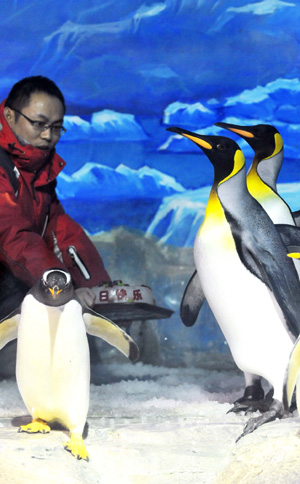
<point>53,366</point>
<point>245,275</point>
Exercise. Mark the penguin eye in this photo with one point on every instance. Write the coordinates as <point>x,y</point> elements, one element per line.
<point>221,147</point>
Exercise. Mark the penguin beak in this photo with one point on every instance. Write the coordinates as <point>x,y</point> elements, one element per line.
<point>240,130</point>
<point>201,141</point>
<point>54,291</point>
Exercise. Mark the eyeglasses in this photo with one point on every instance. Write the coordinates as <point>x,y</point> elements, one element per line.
<point>40,126</point>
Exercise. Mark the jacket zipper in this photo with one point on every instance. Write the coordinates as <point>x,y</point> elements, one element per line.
<point>73,254</point>
<point>56,248</point>
<point>45,226</point>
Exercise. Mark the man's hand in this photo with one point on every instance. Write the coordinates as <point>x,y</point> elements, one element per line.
<point>86,296</point>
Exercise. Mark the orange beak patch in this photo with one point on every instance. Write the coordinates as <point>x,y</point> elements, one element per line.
<point>241,132</point>
<point>198,141</point>
<point>55,291</point>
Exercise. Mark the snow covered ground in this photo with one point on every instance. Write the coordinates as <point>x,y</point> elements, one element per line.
<point>152,425</point>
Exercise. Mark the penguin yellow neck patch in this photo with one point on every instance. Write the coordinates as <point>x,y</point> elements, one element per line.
<point>257,188</point>
<point>214,208</point>
<point>239,163</point>
<point>215,226</point>
<point>278,145</point>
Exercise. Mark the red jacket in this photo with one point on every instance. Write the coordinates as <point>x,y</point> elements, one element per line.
<point>35,232</point>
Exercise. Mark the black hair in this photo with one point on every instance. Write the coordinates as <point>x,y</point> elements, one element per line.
<point>20,93</point>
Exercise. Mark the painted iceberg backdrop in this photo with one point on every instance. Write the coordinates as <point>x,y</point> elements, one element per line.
<point>129,70</point>
<point>105,125</point>
<point>164,200</point>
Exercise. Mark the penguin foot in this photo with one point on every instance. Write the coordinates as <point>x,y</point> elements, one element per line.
<point>275,411</point>
<point>250,406</point>
<point>253,399</point>
<point>77,447</point>
<point>37,425</point>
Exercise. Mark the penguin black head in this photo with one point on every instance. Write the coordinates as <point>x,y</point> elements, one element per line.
<point>264,139</point>
<point>54,288</point>
<point>221,151</point>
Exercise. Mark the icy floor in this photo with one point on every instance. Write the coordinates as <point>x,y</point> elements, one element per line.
<point>146,425</point>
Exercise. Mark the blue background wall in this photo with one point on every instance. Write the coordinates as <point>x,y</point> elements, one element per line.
<point>129,69</point>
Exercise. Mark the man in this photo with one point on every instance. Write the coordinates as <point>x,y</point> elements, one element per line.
<point>35,232</point>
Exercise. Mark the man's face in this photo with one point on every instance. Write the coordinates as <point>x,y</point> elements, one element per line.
<point>41,107</point>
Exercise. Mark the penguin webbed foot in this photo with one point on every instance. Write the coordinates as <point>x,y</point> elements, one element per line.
<point>77,448</point>
<point>276,410</point>
<point>253,399</point>
<point>36,426</point>
<point>250,406</point>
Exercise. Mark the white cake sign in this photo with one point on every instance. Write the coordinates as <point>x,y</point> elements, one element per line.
<point>118,292</point>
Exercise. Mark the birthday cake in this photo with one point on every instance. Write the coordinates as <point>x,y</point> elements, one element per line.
<point>118,292</point>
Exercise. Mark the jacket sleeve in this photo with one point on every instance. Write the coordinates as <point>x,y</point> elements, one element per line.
<point>22,250</point>
<point>74,248</point>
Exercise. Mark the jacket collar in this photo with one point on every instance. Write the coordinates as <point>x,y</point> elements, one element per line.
<point>27,157</point>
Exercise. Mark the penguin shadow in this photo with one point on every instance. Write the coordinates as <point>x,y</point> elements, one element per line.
<point>56,426</point>
<point>18,421</point>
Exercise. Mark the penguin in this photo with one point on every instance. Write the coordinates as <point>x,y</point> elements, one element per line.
<point>268,147</point>
<point>267,144</point>
<point>245,275</point>
<point>53,366</point>
<point>262,176</point>
<point>292,378</point>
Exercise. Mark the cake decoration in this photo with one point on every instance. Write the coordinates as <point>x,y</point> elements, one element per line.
<point>119,292</point>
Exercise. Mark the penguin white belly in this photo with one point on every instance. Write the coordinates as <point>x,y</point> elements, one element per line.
<point>248,315</point>
<point>53,367</point>
<point>277,210</point>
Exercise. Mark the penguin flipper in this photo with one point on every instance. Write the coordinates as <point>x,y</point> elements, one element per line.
<point>104,328</point>
<point>264,266</point>
<point>290,236</point>
<point>296,216</point>
<point>9,327</point>
<point>192,301</point>
<point>292,377</point>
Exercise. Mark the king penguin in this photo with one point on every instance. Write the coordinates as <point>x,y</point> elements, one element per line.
<point>245,275</point>
<point>268,147</point>
<point>292,378</point>
<point>267,144</point>
<point>53,366</point>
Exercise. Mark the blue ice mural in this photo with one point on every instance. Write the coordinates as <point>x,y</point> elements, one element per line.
<point>129,69</point>
<point>171,178</point>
